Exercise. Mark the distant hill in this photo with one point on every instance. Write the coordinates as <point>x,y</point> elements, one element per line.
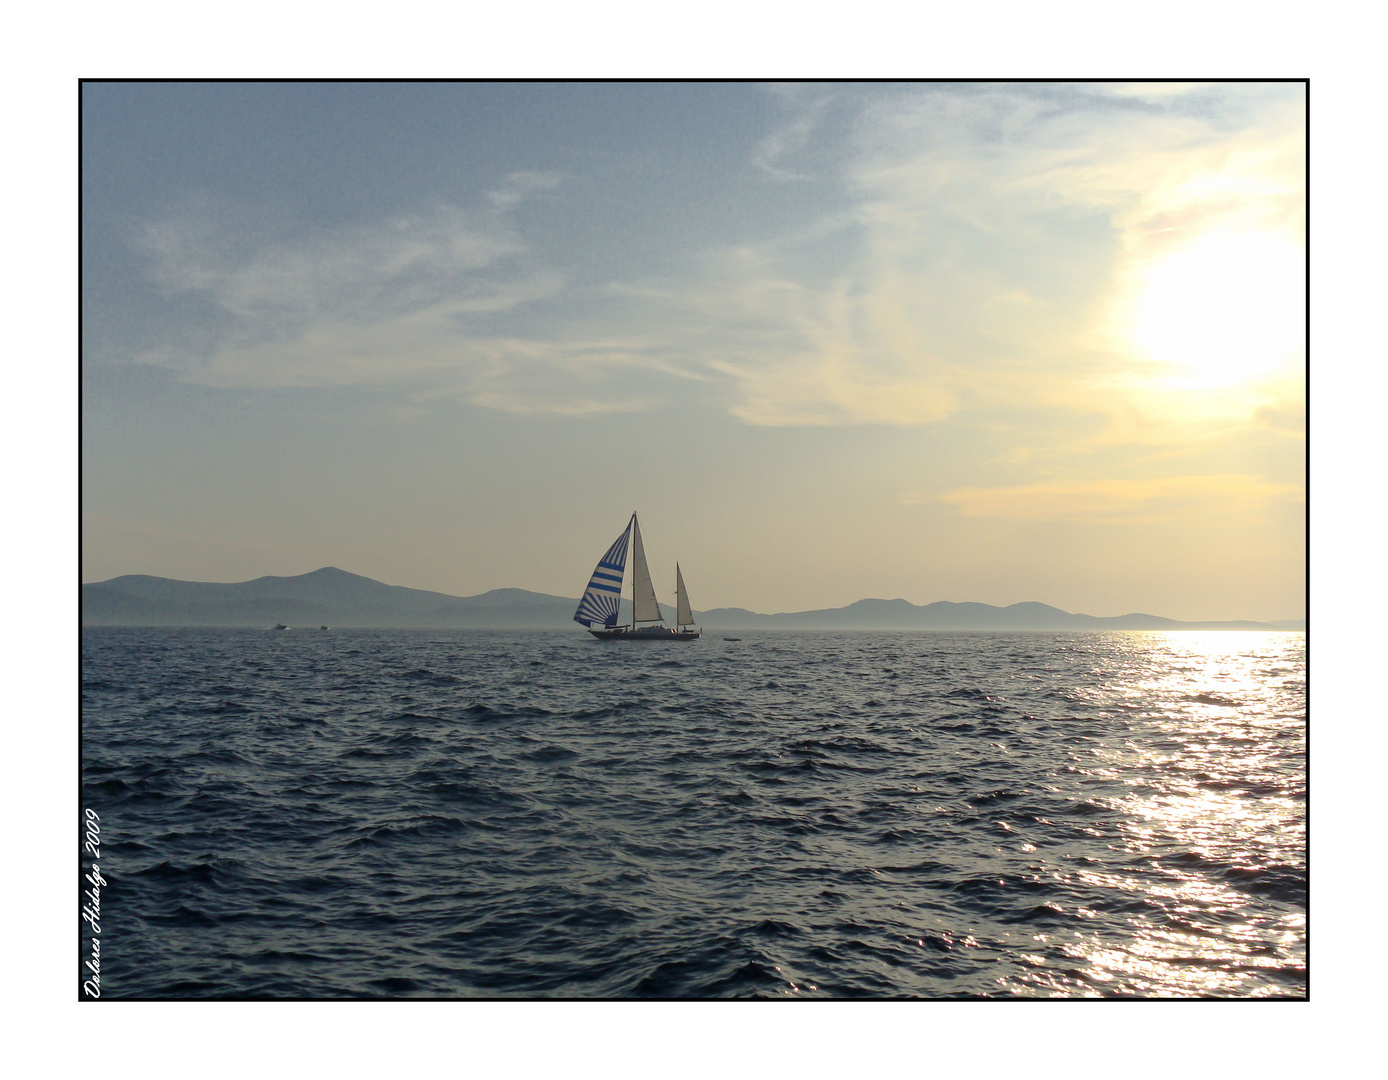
<point>336,598</point>
<point>328,596</point>
<point>943,615</point>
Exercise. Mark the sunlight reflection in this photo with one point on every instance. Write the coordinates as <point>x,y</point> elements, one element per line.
<point>1202,797</point>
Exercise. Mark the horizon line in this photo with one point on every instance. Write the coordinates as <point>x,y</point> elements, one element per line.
<point>723,607</point>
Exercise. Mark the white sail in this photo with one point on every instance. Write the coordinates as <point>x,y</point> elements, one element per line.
<point>643,592</point>
<point>683,615</point>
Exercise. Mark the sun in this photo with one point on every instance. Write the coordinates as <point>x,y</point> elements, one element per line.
<point>1228,309</point>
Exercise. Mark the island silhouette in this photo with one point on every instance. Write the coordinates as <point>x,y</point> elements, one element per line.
<point>334,597</point>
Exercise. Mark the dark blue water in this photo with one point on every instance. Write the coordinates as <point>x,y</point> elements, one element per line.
<point>468,814</point>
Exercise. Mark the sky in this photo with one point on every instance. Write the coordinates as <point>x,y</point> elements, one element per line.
<point>969,342</point>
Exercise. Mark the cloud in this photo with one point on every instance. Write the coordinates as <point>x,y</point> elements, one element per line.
<point>1000,234</point>
<point>798,355</point>
<point>355,274</point>
<point>982,247</point>
<point>256,289</point>
<point>1128,501</point>
<point>425,356</point>
<point>388,301</point>
<point>1284,419</point>
<point>518,186</point>
<point>806,106</point>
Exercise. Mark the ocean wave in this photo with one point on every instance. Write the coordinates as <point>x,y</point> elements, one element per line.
<point>400,814</point>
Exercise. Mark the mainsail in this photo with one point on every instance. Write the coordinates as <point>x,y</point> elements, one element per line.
<point>683,615</point>
<point>604,593</point>
<point>643,592</point>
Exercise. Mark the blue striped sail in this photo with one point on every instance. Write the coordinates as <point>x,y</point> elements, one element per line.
<point>604,592</point>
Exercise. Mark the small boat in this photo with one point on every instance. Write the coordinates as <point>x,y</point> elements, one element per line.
<point>280,626</point>
<point>598,608</point>
<point>322,628</point>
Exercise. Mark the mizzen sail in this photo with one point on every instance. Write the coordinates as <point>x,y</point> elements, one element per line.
<point>604,593</point>
<point>683,615</point>
<point>643,592</point>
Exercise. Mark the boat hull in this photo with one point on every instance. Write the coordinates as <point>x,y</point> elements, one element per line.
<point>645,633</point>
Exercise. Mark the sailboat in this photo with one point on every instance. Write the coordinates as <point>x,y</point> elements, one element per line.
<point>598,608</point>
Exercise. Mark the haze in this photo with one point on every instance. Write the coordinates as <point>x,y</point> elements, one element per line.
<point>978,342</point>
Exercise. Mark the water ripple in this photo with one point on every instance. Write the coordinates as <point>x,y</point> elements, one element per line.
<point>466,814</point>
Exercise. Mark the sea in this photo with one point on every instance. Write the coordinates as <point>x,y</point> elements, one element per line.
<point>449,814</point>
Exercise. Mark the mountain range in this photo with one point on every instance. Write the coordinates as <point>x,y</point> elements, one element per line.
<point>334,597</point>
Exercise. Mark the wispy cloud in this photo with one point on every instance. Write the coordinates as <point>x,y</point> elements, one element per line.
<point>1129,501</point>
<point>394,301</point>
<point>1000,233</point>
<point>354,274</point>
<point>983,242</point>
<point>805,107</point>
<point>282,294</point>
<point>519,186</point>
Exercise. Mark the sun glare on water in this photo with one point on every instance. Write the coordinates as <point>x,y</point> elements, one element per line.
<point>1228,309</point>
